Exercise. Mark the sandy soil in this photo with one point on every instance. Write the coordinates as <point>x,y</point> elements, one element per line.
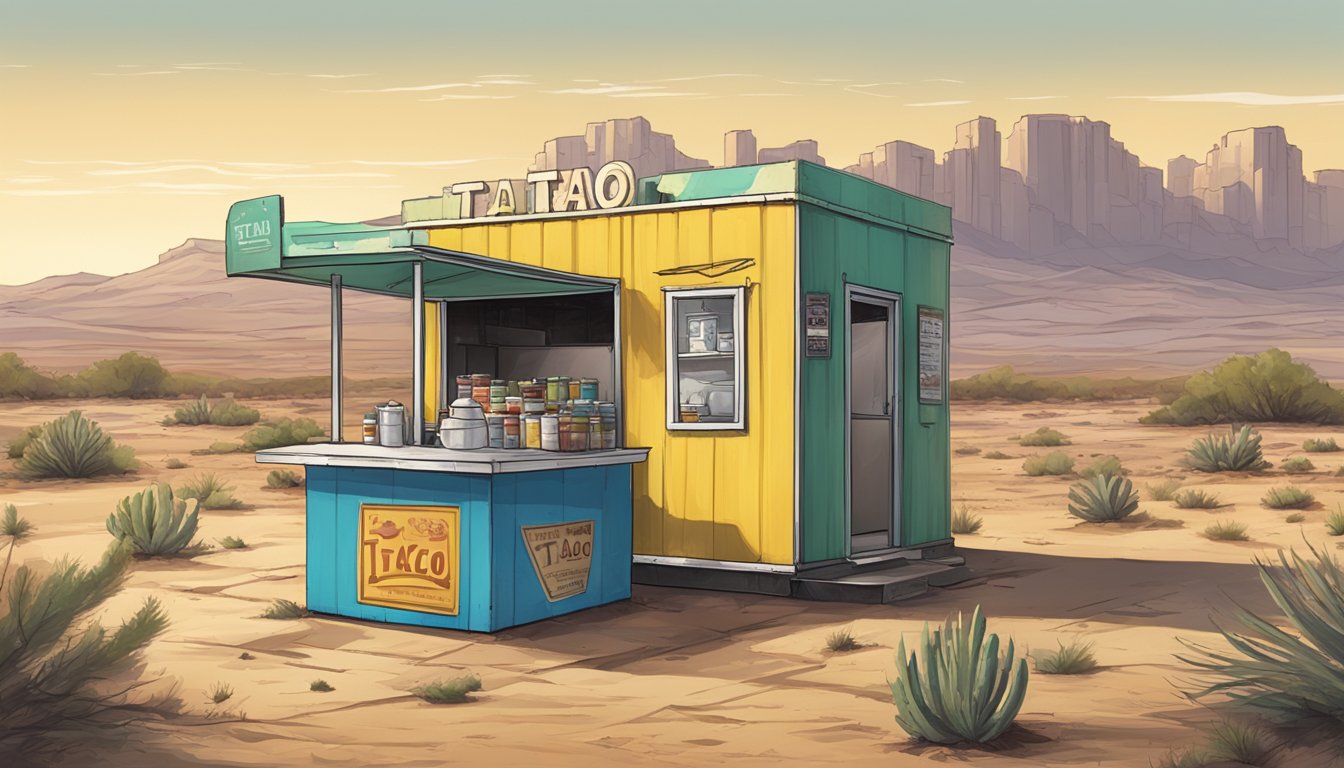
<point>680,677</point>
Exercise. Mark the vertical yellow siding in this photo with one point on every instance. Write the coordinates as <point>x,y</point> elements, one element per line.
<point>709,495</point>
<point>433,362</point>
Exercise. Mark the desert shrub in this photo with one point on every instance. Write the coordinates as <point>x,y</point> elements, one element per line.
<point>223,447</point>
<point>17,446</point>
<point>221,693</point>
<point>52,657</point>
<point>964,521</point>
<point>956,685</point>
<point>1226,530</point>
<point>73,446</point>
<point>210,491</point>
<point>192,414</point>
<point>1297,465</point>
<point>155,524</point>
<point>1190,758</point>
<point>1103,499</point>
<point>16,529</point>
<point>130,375</point>
<point>1075,658</point>
<point>967,450</point>
<point>841,641</point>
<point>174,464</point>
<point>225,413</point>
<point>1163,490</point>
<point>1287,676</point>
<point>1004,383</point>
<point>284,609</point>
<point>1105,466</point>
<point>1327,445</point>
<point>1053,463</point>
<point>281,433</point>
<point>19,380</point>
<point>1334,524</point>
<point>1044,436</point>
<point>232,542</point>
<point>320,686</point>
<point>454,691</point>
<point>1238,451</point>
<point>1242,743</point>
<point>284,478</point>
<point>1193,498</point>
<point>1296,517</point>
<point>1261,388</point>
<point>1288,497</point>
<point>997,455</point>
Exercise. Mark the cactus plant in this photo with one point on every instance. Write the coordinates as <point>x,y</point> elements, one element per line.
<point>1103,499</point>
<point>156,524</point>
<point>1237,452</point>
<point>957,686</point>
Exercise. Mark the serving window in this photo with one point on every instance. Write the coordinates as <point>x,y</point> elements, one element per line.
<point>706,374</point>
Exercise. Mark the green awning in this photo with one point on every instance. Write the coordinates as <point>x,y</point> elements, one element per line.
<point>378,259</point>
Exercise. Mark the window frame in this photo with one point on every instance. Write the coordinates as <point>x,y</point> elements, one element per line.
<point>672,372</point>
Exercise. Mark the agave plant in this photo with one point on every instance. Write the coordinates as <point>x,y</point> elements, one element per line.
<point>1235,452</point>
<point>1286,675</point>
<point>1103,499</point>
<point>957,686</point>
<point>73,446</point>
<point>155,523</point>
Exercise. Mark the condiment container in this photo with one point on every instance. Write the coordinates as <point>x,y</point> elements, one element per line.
<point>464,429</point>
<point>725,341</point>
<point>575,389</point>
<point>463,387</point>
<point>587,389</point>
<point>689,414</point>
<point>371,429</point>
<point>494,426</point>
<point>481,394</point>
<point>511,432</point>
<point>553,394</point>
<point>513,405</point>
<point>531,432</point>
<point>595,432</point>
<point>392,424</point>
<point>550,432</point>
<point>573,433</point>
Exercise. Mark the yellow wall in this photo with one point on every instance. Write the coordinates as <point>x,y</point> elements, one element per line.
<point>433,364</point>
<point>710,495</point>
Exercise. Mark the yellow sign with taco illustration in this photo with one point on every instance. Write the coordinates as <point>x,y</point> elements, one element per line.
<point>408,557</point>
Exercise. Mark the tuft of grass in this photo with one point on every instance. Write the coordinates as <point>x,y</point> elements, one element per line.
<point>1190,758</point>
<point>210,491</point>
<point>1298,465</point>
<point>841,641</point>
<point>193,413</point>
<point>966,522</point>
<point>228,413</point>
<point>281,433</point>
<point>245,656</point>
<point>1075,658</point>
<point>283,478</point>
<point>1163,490</point>
<point>1054,463</point>
<point>1296,517</point>
<point>1288,497</point>
<point>967,450</point>
<point>1238,451</point>
<point>17,446</point>
<point>1193,498</point>
<point>1334,524</point>
<point>174,464</point>
<point>1243,743</point>
<point>320,686</point>
<point>284,609</point>
<point>1044,436</point>
<point>1226,530</point>
<point>221,693</point>
<point>1106,466</point>
<point>997,455</point>
<point>1326,445</point>
<point>232,542</point>
<point>454,691</point>
<point>223,447</point>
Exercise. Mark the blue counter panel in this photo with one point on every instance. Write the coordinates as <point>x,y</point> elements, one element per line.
<point>497,582</point>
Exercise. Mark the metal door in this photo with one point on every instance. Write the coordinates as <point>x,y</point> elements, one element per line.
<point>872,419</point>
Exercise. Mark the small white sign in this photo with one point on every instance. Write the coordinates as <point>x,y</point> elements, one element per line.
<point>931,346</point>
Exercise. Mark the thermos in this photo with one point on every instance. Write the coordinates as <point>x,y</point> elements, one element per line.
<point>392,424</point>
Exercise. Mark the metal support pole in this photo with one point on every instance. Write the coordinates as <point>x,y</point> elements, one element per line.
<point>447,385</point>
<point>418,329</point>
<point>337,332</point>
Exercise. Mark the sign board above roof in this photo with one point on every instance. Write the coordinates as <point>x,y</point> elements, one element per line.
<point>575,189</point>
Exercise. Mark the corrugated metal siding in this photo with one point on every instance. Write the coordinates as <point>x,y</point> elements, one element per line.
<point>711,495</point>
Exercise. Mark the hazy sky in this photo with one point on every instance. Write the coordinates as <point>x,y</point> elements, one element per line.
<point>130,126</point>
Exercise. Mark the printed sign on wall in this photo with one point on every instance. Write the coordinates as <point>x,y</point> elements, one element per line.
<point>931,338</point>
<point>408,557</point>
<point>817,321</point>
<point>562,556</point>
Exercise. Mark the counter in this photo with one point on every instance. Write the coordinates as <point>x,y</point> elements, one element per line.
<point>477,540</point>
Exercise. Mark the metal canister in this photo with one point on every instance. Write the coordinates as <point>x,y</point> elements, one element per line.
<point>608,413</point>
<point>532,390</point>
<point>587,389</point>
<point>463,387</point>
<point>511,431</point>
<point>575,389</point>
<point>494,428</point>
<point>481,395</point>
<point>531,431</point>
<point>573,433</point>
<point>392,424</point>
<point>534,405</point>
<point>595,432</point>
<point>550,432</point>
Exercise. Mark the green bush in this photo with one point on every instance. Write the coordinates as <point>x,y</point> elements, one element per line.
<point>1327,445</point>
<point>174,464</point>
<point>965,522</point>
<point>1004,383</point>
<point>1226,530</point>
<point>1044,436</point>
<point>1287,676</point>
<point>320,686</point>
<point>967,450</point>
<point>997,455</point>
<point>1192,498</point>
<point>284,478</point>
<point>221,693</point>
<point>18,380</point>
<point>1262,388</point>
<point>1298,465</point>
<point>1163,490</point>
<point>16,529</point>
<point>155,524</point>
<point>956,686</point>
<point>281,433</point>
<point>232,542</point>
<point>17,446</point>
<point>130,375</point>
<point>1334,524</point>
<point>1296,517</point>
<point>284,609</point>
<point>210,491</point>
<point>453,691</point>
<point>1288,497</point>
<point>52,657</point>
<point>192,414</point>
<point>1106,466</point>
<point>228,413</point>
<point>1103,499</point>
<point>1053,463</point>
<point>1076,658</point>
<point>1236,452</point>
<point>73,446</point>
<point>222,447</point>
<point>1242,743</point>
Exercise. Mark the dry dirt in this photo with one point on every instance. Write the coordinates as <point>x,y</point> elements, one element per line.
<point>680,677</point>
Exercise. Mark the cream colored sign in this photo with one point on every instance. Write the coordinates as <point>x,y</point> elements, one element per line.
<point>562,556</point>
<point>408,557</point>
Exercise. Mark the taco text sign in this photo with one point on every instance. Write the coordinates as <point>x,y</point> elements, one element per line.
<point>562,555</point>
<point>408,557</point>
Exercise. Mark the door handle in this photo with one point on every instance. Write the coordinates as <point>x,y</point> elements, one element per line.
<point>886,408</point>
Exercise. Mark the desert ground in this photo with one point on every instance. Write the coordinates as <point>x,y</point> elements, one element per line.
<point>682,677</point>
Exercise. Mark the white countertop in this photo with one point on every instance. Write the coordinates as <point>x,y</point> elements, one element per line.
<point>485,461</point>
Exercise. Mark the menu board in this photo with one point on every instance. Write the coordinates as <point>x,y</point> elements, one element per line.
<point>408,557</point>
<point>562,556</point>
<point>932,344</point>
<point>817,320</point>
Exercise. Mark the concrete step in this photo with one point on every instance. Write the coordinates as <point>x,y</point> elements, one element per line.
<point>902,580</point>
